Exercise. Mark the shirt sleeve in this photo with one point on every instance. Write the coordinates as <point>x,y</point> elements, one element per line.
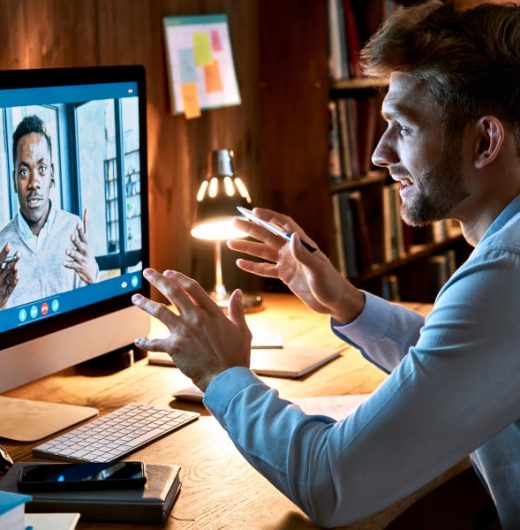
<point>383,332</point>
<point>453,390</point>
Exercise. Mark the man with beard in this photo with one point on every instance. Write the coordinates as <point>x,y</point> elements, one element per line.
<point>453,143</point>
<point>43,250</point>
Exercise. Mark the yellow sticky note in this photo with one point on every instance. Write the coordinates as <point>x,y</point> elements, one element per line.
<point>202,48</point>
<point>212,78</point>
<point>190,100</point>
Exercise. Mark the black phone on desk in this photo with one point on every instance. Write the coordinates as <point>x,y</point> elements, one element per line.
<point>87,476</point>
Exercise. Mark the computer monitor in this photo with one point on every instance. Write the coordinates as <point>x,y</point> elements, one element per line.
<point>74,213</point>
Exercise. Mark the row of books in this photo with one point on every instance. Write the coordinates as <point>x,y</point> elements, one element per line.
<point>351,22</point>
<point>440,267</point>
<point>354,127</point>
<point>400,238</point>
<point>363,242</point>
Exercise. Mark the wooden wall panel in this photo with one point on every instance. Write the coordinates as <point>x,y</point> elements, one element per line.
<point>275,163</point>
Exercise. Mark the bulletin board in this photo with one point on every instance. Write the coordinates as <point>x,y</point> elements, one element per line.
<point>200,64</point>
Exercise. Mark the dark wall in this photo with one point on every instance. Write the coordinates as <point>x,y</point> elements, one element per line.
<point>280,144</point>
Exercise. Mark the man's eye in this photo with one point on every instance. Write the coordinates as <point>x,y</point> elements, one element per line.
<point>42,169</point>
<point>23,173</point>
<point>404,131</point>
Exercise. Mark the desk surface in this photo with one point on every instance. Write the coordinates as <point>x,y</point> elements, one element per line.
<point>220,489</point>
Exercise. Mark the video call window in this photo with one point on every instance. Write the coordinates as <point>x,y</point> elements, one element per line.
<point>95,153</point>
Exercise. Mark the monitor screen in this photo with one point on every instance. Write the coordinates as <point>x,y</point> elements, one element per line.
<point>73,201</point>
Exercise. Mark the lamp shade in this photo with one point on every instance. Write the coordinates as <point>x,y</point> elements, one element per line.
<point>217,199</point>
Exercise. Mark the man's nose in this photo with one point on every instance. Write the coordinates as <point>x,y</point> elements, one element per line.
<point>34,178</point>
<point>384,154</point>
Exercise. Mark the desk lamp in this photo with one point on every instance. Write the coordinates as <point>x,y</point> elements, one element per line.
<point>217,200</point>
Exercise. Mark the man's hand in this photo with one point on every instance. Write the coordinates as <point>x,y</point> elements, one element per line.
<point>81,259</point>
<point>310,275</point>
<point>8,274</point>
<point>202,341</point>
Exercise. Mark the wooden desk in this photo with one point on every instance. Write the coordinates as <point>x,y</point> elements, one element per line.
<point>220,489</point>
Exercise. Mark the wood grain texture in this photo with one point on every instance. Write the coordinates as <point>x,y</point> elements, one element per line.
<point>279,141</point>
<point>220,489</point>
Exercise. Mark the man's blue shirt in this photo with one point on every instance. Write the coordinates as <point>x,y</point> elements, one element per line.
<point>453,390</point>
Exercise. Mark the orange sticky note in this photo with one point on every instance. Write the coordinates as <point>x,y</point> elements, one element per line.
<point>190,100</point>
<point>212,78</point>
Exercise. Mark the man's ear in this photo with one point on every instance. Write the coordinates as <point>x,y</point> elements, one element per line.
<point>14,181</point>
<point>53,181</point>
<point>489,139</point>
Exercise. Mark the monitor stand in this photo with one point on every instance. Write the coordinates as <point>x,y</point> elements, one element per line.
<point>23,420</point>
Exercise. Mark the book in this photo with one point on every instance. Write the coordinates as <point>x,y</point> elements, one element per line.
<point>152,503</point>
<point>368,121</point>
<point>347,167</point>
<point>338,236</point>
<point>349,235</point>
<point>353,130</point>
<point>335,172</point>
<point>335,44</point>
<point>292,362</point>
<point>52,521</point>
<point>390,288</point>
<point>352,37</point>
<point>12,510</point>
<point>364,255</point>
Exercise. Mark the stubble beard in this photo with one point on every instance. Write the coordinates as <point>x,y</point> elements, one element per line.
<point>438,190</point>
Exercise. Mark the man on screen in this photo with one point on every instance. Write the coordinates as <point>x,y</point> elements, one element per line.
<point>43,249</point>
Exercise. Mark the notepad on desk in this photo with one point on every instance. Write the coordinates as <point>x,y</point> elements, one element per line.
<point>291,361</point>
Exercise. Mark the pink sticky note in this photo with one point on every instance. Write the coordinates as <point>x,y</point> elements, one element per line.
<point>215,40</point>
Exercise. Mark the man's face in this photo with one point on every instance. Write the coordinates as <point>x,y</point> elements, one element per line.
<point>428,167</point>
<point>33,178</point>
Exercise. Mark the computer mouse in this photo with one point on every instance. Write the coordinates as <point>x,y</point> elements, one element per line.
<point>190,393</point>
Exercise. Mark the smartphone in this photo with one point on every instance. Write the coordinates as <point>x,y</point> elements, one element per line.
<point>88,476</point>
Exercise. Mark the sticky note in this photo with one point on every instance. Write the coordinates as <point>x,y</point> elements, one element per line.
<point>215,40</point>
<point>190,100</point>
<point>202,48</point>
<point>187,68</point>
<point>212,77</point>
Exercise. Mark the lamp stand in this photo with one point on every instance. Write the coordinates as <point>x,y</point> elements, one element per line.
<point>250,302</point>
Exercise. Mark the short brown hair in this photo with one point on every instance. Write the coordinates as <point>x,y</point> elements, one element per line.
<point>470,59</point>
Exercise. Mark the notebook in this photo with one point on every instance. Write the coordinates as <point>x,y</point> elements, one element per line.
<point>291,361</point>
<point>152,503</point>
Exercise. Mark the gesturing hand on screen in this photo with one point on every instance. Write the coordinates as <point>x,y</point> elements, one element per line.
<point>8,274</point>
<point>80,258</point>
<point>203,341</point>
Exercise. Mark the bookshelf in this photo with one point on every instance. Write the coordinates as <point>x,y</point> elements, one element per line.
<point>370,244</point>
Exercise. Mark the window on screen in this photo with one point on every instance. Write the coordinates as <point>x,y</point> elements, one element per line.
<point>95,164</point>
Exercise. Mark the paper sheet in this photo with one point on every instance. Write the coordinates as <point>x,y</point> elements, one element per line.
<point>337,407</point>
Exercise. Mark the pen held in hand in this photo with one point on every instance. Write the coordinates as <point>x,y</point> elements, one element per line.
<point>248,214</point>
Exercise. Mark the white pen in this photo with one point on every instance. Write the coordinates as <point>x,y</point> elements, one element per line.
<point>248,214</point>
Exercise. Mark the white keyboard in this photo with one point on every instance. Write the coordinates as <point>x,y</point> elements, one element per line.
<point>116,434</point>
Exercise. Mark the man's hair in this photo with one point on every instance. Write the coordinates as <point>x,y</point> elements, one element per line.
<point>470,59</point>
<point>30,124</point>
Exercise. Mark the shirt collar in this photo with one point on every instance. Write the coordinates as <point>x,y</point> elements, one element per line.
<point>503,217</point>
